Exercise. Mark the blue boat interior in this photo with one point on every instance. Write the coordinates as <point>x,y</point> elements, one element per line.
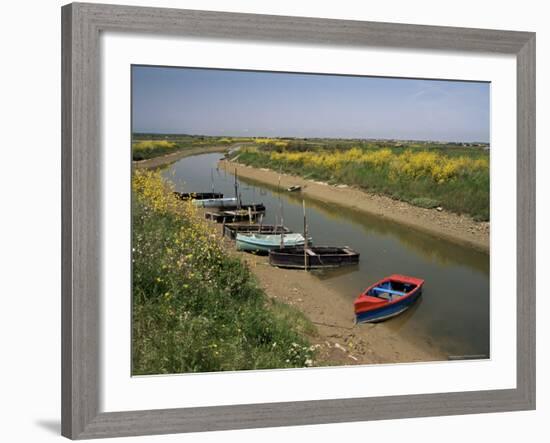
<point>388,290</point>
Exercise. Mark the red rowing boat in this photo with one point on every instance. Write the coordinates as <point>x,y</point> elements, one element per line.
<point>387,298</point>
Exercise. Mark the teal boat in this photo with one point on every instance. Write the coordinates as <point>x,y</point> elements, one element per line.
<point>267,242</point>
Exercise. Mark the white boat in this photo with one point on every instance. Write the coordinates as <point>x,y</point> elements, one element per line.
<point>267,242</point>
<point>216,202</point>
<point>294,188</point>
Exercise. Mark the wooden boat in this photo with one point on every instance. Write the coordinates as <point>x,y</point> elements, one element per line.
<point>387,298</point>
<point>216,202</point>
<point>233,216</point>
<point>294,188</point>
<point>197,195</point>
<point>254,207</point>
<point>266,242</point>
<point>231,229</point>
<point>315,257</point>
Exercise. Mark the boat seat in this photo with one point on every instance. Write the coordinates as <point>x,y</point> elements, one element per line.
<point>388,291</point>
<point>384,296</point>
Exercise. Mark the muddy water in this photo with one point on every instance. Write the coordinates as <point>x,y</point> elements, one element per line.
<point>452,314</point>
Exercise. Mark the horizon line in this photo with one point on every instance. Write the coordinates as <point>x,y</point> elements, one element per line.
<point>312,137</point>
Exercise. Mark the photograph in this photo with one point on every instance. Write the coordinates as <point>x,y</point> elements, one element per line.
<point>285,220</point>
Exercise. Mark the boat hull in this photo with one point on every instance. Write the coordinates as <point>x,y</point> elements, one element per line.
<point>233,216</point>
<point>231,230</point>
<point>250,247</point>
<point>318,257</point>
<point>197,195</point>
<point>387,298</point>
<point>260,207</point>
<point>388,311</point>
<point>265,243</point>
<point>216,202</point>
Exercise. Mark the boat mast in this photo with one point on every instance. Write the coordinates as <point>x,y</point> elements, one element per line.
<point>305,235</point>
<point>254,201</point>
<point>281,212</point>
<point>212,180</point>
<point>237,197</point>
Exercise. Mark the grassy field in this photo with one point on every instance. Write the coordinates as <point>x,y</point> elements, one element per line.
<point>427,175</point>
<point>196,309</point>
<point>146,146</point>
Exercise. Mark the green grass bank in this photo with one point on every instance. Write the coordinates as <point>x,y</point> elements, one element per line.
<point>196,308</point>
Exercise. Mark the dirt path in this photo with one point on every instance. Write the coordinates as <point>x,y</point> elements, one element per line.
<point>460,229</point>
<point>338,340</point>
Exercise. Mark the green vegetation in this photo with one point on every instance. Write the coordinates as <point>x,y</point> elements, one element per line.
<point>196,309</point>
<point>146,146</point>
<point>424,202</point>
<point>426,175</point>
<point>145,149</point>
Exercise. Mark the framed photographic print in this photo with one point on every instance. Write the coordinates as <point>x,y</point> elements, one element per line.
<point>274,221</point>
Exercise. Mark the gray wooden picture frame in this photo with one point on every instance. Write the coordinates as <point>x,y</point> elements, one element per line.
<point>81,183</point>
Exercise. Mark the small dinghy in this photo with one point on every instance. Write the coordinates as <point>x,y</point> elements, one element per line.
<point>197,195</point>
<point>266,242</point>
<point>315,257</point>
<point>387,298</point>
<point>231,229</point>
<point>294,188</point>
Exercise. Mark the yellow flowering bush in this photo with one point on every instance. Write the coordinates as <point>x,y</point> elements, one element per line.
<point>455,179</point>
<point>434,165</point>
<point>439,167</point>
<point>153,144</point>
<point>271,141</point>
<point>149,187</point>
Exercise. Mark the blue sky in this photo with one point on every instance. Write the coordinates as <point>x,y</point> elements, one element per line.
<point>244,103</point>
